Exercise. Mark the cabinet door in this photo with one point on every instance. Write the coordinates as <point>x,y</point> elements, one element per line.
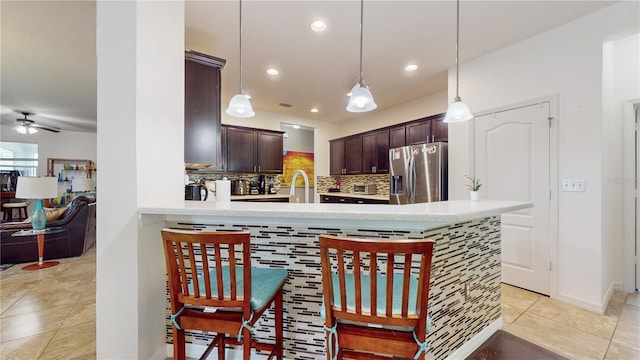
<point>375,152</point>
<point>418,132</point>
<point>353,155</point>
<point>240,150</point>
<point>336,151</point>
<point>397,137</point>
<point>202,144</point>
<point>269,152</point>
<point>439,130</point>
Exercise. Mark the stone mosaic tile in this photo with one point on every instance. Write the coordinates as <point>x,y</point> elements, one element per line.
<point>465,253</point>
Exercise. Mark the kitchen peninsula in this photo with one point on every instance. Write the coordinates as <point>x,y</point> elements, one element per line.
<point>464,301</point>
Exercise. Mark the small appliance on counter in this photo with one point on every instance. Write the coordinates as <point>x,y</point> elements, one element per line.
<point>272,185</point>
<point>262,185</point>
<point>364,189</point>
<point>254,188</point>
<point>239,187</point>
<point>195,192</point>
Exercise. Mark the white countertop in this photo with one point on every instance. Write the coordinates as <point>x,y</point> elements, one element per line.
<point>431,214</point>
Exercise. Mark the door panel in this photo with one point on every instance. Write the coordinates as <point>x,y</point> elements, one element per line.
<point>512,161</point>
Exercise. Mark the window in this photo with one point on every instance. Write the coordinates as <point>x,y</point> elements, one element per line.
<point>22,157</point>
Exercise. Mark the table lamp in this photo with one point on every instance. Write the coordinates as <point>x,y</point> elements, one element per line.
<point>38,188</point>
<point>82,185</point>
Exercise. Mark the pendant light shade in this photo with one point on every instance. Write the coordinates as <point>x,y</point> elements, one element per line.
<point>361,99</point>
<point>240,106</point>
<point>458,111</point>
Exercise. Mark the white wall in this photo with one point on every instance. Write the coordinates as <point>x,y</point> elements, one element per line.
<point>621,84</point>
<point>140,159</point>
<point>567,61</point>
<point>62,145</point>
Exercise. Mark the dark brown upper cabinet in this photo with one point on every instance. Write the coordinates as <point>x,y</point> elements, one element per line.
<point>253,150</point>
<point>202,138</point>
<point>346,156</point>
<point>375,152</point>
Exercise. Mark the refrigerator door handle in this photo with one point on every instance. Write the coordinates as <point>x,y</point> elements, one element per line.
<point>411,181</point>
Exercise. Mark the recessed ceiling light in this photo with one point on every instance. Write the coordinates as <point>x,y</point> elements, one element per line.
<point>273,71</point>
<point>295,126</point>
<point>411,67</point>
<point>318,25</point>
<point>314,110</point>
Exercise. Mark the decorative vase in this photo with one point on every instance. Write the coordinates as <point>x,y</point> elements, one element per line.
<point>475,195</point>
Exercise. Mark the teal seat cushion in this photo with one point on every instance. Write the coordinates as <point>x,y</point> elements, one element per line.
<point>264,283</point>
<point>381,293</point>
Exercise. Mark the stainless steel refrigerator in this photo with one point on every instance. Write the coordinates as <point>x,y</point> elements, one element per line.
<point>418,173</point>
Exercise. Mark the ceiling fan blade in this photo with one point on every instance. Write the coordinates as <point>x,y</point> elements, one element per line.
<point>46,127</point>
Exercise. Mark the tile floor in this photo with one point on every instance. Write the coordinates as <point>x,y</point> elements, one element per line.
<point>50,314</point>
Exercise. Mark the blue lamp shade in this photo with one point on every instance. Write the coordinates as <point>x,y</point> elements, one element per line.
<point>240,106</point>
<point>361,99</point>
<point>38,188</point>
<point>458,112</point>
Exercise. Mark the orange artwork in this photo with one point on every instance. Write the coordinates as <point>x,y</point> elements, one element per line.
<point>293,161</point>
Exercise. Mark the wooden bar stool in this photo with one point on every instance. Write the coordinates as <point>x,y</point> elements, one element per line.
<point>374,304</point>
<point>9,207</point>
<point>213,269</point>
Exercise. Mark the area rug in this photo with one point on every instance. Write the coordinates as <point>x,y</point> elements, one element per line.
<point>504,346</point>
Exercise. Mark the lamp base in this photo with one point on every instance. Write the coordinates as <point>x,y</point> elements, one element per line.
<point>38,217</point>
<point>43,265</point>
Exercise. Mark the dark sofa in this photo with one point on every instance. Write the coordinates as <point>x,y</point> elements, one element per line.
<point>78,222</point>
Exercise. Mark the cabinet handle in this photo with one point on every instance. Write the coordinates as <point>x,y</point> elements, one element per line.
<point>433,137</point>
<point>373,169</point>
<point>259,168</point>
<point>254,168</point>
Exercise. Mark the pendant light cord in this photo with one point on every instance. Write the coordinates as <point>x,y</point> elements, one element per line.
<point>360,81</point>
<point>457,46</point>
<point>240,50</point>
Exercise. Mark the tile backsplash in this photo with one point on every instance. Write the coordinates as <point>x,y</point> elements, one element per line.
<point>323,183</point>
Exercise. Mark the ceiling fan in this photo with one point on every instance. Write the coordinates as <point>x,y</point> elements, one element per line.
<point>28,126</point>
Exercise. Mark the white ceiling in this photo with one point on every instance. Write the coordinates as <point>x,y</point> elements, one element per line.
<point>48,61</point>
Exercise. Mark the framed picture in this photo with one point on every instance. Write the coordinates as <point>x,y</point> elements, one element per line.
<point>293,161</point>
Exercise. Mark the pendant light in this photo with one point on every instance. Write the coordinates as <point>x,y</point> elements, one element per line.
<point>361,99</point>
<point>458,111</point>
<point>240,106</point>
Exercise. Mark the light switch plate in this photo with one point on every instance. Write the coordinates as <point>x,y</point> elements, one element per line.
<point>573,185</point>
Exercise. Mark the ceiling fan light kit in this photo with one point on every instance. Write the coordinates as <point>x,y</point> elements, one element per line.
<point>24,129</point>
<point>458,111</point>
<point>28,126</point>
<point>361,99</point>
<point>240,106</point>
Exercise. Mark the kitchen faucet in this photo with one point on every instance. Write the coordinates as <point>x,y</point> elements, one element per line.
<point>292,191</point>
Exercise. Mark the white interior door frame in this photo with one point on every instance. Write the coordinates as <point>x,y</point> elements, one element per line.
<point>553,101</point>
<point>631,203</point>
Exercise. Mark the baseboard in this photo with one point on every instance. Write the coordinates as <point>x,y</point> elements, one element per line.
<point>470,346</point>
<point>598,308</point>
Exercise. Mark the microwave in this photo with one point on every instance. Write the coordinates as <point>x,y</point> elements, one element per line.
<point>365,189</point>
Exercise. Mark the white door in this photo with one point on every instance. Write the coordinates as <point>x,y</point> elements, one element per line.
<point>512,161</point>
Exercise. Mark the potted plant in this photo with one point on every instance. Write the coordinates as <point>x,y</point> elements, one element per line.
<point>474,186</point>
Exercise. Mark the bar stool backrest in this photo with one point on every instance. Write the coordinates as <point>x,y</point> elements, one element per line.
<point>382,283</point>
